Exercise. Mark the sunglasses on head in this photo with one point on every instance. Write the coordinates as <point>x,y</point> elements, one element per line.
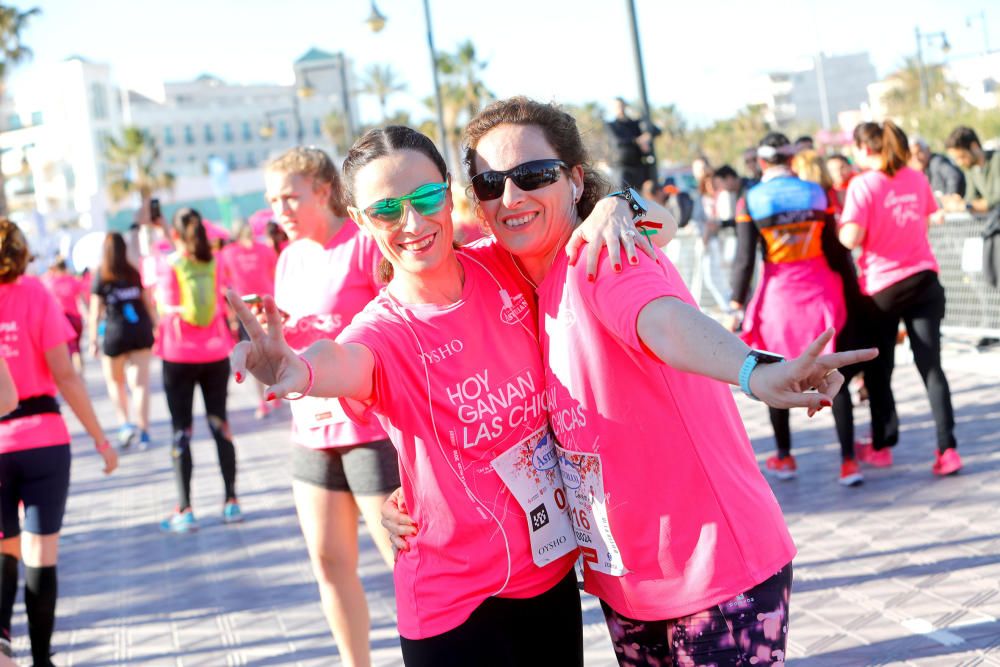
<point>426,200</point>
<point>528,176</point>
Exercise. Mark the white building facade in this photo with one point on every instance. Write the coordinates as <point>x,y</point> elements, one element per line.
<point>819,93</point>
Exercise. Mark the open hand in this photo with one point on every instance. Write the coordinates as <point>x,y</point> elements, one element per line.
<point>397,521</point>
<point>609,224</point>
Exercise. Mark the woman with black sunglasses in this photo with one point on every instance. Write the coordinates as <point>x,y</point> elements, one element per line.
<point>493,562</point>
<point>680,535</point>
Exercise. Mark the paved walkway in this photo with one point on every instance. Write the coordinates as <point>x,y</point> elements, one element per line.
<point>903,570</point>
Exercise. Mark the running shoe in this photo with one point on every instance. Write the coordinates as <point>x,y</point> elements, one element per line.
<point>232,513</point>
<point>783,468</point>
<point>180,522</point>
<point>144,441</point>
<point>876,458</point>
<point>126,434</point>
<point>947,463</point>
<point>850,473</point>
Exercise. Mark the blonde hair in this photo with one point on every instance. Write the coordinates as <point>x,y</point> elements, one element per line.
<point>317,165</point>
<point>14,255</point>
<point>810,166</point>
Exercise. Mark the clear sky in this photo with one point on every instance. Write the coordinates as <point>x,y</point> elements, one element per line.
<point>706,57</point>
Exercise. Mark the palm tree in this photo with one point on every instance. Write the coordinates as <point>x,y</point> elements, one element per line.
<point>905,94</point>
<point>133,167</point>
<point>12,52</point>
<point>381,82</point>
<point>462,69</point>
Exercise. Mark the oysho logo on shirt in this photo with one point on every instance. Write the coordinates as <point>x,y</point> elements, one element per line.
<point>447,350</point>
<point>514,308</point>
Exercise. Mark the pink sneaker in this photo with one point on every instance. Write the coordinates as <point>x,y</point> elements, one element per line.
<point>948,463</point>
<point>782,468</point>
<point>850,473</point>
<point>877,458</point>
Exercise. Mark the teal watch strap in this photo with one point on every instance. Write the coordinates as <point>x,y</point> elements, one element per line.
<point>746,369</point>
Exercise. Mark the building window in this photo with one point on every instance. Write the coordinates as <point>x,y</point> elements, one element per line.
<point>209,135</point>
<point>251,159</point>
<point>227,133</point>
<point>317,127</point>
<point>282,129</point>
<point>247,134</point>
<point>188,135</point>
<point>36,118</point>
<point>168,136</point>
<point>231,161</point>
<point>98,101</point>
<point>13,122</point>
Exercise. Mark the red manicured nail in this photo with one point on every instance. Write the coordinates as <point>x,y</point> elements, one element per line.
<point>825,403</point>
<point>272,396</point>
<point>239,376</point>
<point>633,260</point>
<point>590,277</point>
<point>618,268</point>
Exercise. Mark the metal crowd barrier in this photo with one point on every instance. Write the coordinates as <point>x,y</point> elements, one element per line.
<point>973,306</point>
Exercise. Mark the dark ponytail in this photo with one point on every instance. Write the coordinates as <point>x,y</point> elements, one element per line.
<point>888,141</point>
<point>188,224</point>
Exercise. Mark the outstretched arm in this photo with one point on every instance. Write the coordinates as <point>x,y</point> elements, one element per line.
<point>337,370</point>
<point>688,340</point>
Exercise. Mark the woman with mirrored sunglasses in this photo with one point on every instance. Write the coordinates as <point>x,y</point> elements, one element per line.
<point>492,566</point>
<point>679,533</point>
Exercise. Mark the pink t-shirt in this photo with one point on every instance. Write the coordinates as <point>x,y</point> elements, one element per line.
<point>893,212</point>
<point>179,341</point>
<point>249,270</point>
<point>31,322</point>
<point>67,289</point>
<point>671,511</point>
<point>457,388</point>
<point>322,289</point>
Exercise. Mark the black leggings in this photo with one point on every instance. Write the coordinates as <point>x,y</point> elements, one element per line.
<point>919,301</point>
<point>503,632</point>
<point>179,381</point>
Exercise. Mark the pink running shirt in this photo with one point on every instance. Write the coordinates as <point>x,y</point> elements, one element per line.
<point>31,322</point>
<point>322,289</point>
<point>67,289</point>
<point>484,378</point>
<point>671,511</point>
<point>893,212</point>
<point>183,343</point>
<point>249,270</point>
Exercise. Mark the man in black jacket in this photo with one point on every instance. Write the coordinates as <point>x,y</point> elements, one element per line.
<point>947,180</point>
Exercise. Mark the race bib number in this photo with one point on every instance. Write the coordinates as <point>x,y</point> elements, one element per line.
<point>531,472</point>
<point>313,412</point>
<point>584,484</point>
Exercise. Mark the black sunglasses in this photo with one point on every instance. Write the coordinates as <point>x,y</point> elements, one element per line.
<point>528,176</point>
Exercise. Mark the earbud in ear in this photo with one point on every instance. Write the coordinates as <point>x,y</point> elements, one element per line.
<point>573,186</point>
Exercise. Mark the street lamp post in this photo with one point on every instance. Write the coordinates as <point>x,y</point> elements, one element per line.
<point>376,21</point>
<point>306,90</point>
<point>640,75</point>
<point>945,47</point>
<point>268,130</point>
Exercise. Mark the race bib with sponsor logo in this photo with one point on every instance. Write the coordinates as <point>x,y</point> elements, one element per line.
<point>584,483</point>
<point>531,471</point>
<point>313,412</point>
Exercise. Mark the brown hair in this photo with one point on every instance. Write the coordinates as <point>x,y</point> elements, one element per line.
<point>810,166</point>
<point>14,255</point>
<point>888,141</point>
<point>560,130</point>
<point>318,166</point>
<point>114,261</point>
<point>187,223</point>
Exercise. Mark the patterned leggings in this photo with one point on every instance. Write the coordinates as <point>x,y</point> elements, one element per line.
<point>750,629</point>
